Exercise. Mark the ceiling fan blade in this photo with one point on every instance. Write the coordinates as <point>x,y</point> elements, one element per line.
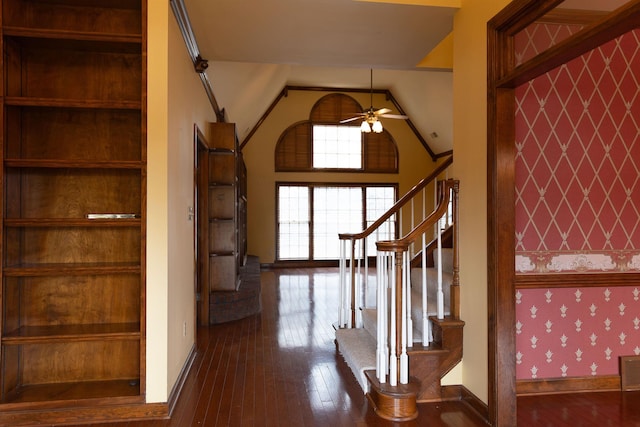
<point>351,119</point>
<point>394,116</point>
<point>381,111</point>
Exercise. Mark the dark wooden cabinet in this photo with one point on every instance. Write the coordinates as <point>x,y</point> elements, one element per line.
<point>74,182</point>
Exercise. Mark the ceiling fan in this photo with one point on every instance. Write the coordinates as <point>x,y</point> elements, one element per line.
<point>370,117</point>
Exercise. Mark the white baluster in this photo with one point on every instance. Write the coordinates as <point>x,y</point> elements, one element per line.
<point>413,225</point>
<point>407,286</point>
<point>440,294</point>
<point>423,271</point>
<point>342,312</point>
<point>358,288</point>
<point>385,311</point>
<point>404,358</point>
<point>393,361</point>
<point>349,289</point>
<point>365,278</point>
<point>381,296</point>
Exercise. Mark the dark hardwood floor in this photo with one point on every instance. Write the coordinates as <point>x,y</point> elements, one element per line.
<point>281,368</point>
<point>610,408</point>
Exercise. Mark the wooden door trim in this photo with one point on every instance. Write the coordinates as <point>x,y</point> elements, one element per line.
<point>201,226</point>
<point>503,76</point>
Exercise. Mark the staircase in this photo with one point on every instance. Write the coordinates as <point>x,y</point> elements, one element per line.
<point>400,331</point>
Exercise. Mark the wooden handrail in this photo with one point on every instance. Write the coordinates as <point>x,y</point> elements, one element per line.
<point>403,243</point>
<point>399,204</point>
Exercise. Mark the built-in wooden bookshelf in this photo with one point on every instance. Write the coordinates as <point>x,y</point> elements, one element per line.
<point>74,182</point>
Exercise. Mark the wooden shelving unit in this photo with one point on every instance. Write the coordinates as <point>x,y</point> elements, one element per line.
<point>74,146</point>
<point>223,208</point>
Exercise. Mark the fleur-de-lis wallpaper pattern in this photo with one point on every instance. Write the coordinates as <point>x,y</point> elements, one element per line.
<point>575,332</point>
<point>578,206</point>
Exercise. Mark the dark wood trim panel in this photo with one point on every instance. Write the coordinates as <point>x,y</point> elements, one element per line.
<point>473,402</point>
<point>568,385</point>
<point>282,94</point>
<point>201,149</point>
<point>614,25</point>
<point>143,197</point>
<point>570,280</point>
<point>500,232</point>
<point>199,64</point>
<point>459,393</point>
<point>519,14</point>
<point>572,17</point>
<point>177,388</point>
<point>86,415</point>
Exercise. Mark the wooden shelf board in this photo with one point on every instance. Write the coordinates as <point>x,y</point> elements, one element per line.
<point>71,269</point>
<point>73,164</point>
<point>71,333</point>
<point>71,222</point>
<point>83,36</point>
<point>77,391</point>
<point>22,101</point>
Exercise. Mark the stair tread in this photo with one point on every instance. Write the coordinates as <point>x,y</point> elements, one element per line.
<point>431,349</point>
<point>358,348</point>
<point>448,321</point>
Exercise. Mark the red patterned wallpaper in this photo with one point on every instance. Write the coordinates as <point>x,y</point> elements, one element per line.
<point>567,332</point>
<point>578,164</point>
<point>578,206</point>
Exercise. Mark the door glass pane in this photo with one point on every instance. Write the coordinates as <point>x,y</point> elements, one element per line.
<point>336,210</point>
<point>379,200</point>
<point>293,222</point>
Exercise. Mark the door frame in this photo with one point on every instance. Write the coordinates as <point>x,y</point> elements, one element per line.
<point>503,78</point>
<point>201,226</point>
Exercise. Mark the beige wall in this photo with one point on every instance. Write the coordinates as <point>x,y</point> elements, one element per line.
<point>470,148</point>
<point>258,153</point>
<point>157,203</point>
<point>177,101</point>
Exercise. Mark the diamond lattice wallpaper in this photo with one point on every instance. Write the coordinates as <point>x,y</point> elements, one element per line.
<point>578,164</point>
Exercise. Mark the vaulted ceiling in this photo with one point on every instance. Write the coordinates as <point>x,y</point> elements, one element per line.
<point>256,47</point>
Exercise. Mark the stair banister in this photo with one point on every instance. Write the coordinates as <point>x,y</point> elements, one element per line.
<point>350,298</point>
<point>399,204</point>
<point>394,390</point>
<point>402,244</point>
<point>398,364</point>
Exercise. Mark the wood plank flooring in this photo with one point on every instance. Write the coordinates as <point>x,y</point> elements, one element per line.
<point>281,368</point>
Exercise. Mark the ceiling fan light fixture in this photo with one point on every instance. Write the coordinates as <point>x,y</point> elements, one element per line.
<point>370,117</point>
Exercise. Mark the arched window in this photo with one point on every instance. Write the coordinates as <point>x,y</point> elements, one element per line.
<point>323,143</point>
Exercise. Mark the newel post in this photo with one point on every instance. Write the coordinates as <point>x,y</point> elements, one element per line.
<point>455,285</point>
